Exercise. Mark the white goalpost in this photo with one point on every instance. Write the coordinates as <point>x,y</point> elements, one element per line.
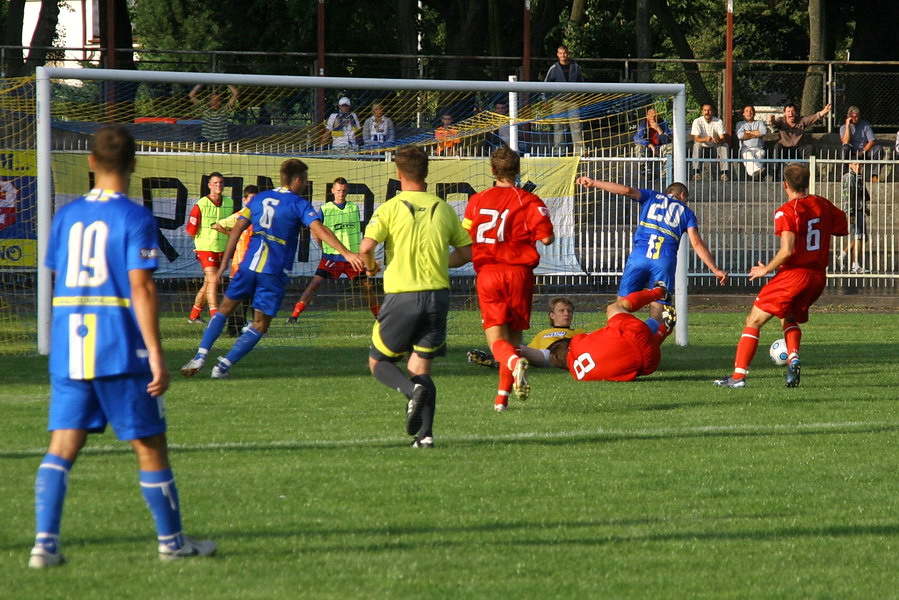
<point>260,153</point>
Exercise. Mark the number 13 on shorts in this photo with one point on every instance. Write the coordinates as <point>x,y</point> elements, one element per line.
<point>654,246</point>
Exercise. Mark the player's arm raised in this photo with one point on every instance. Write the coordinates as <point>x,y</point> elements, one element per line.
<point>787,246</point>
<point>705,255</point>
<point>327,236</point>
<point>609,186</point>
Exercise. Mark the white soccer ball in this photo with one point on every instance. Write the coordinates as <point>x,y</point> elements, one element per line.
<point>778,352</point>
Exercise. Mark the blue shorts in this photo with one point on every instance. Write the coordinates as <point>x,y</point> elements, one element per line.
<point>266,290</point>
<point>121,400</point>
<point>641,273</point>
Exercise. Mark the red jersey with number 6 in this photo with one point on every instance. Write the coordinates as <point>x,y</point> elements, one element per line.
<point>505,224</point>
<point>813,219</point>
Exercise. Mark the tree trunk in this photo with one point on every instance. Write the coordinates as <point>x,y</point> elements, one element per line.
<point>578,14</point>
<point>407,24</point>
<point>13,64</point>
<point>814,76</point>
<point>643,35</point>
<point>691,69</point>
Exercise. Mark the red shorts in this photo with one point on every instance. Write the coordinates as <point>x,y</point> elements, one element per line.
<point>620,351</point>
<point>209,259</point>
<point>791,293</point>
<point>333,269</point>
<point>505,294</point>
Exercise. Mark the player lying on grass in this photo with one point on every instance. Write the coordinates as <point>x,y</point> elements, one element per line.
<point>805,225</point>
<point>561,313</point>
<point>622,350</point>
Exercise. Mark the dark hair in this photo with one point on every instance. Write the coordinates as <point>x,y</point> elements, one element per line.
<point>216,174</point>
<point>791,105</point>
<point>505,163</point>
<point>412,162</point>
<point>562,47</point>
<point>342,181</point>
<point>797,177</point>
<point>291,169</point>
<point>676,188</point>
<point>113,148</point>
<point>558,353</point>
<point>250,189</point>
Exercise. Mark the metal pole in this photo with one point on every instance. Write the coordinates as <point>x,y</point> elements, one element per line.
<point>679,154</point>
<point>319,115</point>
<point>526,72</point>
<point>44,209</point>
<point>729,72</point>
<point>513,116</point>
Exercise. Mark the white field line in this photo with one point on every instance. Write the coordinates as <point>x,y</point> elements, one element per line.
<point>598,434</point>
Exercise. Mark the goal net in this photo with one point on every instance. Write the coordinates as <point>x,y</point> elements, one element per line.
<point>190,125</point>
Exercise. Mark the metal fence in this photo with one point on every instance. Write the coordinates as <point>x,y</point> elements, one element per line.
<point>736,219</point>
<point>872,86</point>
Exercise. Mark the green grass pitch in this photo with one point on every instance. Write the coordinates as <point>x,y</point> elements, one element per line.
<point>663,488</point>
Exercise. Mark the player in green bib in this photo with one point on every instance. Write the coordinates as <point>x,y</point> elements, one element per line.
<point>342,217</point>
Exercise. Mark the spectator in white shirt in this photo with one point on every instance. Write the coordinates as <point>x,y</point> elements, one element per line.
<point>751,133</point>
<point>708,133</point>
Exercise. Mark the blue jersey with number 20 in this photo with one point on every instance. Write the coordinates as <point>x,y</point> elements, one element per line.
<point>663,220</point>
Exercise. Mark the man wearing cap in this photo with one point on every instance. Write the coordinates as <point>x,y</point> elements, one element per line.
<point>344,126</point>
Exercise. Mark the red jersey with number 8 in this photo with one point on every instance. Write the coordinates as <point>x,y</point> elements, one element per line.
<point>505,224</point>
<point>813,219</point>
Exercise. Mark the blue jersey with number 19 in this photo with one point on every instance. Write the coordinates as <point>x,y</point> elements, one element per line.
<point>663,220</point>
<point>276,216</point>
<point>94,242</point>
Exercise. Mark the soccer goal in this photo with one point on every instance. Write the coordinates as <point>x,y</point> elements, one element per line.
<point>189,125</point>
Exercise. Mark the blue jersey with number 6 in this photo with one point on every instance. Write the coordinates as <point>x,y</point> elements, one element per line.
<point>94,242</point>
<point>277,216</point>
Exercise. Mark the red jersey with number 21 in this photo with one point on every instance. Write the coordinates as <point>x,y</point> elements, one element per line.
<point>505,224</point>
<point>813,219</point>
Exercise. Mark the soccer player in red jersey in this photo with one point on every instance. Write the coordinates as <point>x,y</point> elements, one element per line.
<point>622,350</point>
<point>505,223</point>
<point>804,224</point>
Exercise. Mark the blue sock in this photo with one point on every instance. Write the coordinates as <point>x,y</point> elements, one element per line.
<point>161,495</point>
<point>246,342</point>
<point>652,324</point>
<point>49,495</point>
<point>213,330</point>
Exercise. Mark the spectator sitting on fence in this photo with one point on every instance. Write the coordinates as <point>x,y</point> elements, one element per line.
<point>859,142</point>
<point>793,142</point>
<point>343,126</point>
<point>378,130</point>
<point>653,137</point>
<point>751,133</point>
<point>708,132</point>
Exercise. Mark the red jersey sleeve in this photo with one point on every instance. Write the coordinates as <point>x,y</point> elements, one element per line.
<point>194,221</point>
<point>538,219</point>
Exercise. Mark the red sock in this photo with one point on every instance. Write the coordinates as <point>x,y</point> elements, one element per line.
<point>638,300</point>
<point>195,311</point>
<point>502,352</point>
<point>213,311</point>
<point>749,343</point>
<point>504,389</point>
<point>793,337</point>
<point>298,308</point>
<point>375,309</point>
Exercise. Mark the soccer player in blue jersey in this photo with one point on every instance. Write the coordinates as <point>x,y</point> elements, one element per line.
<point>664,218</point>
<point>106,361</point>
<point>276,216</point>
